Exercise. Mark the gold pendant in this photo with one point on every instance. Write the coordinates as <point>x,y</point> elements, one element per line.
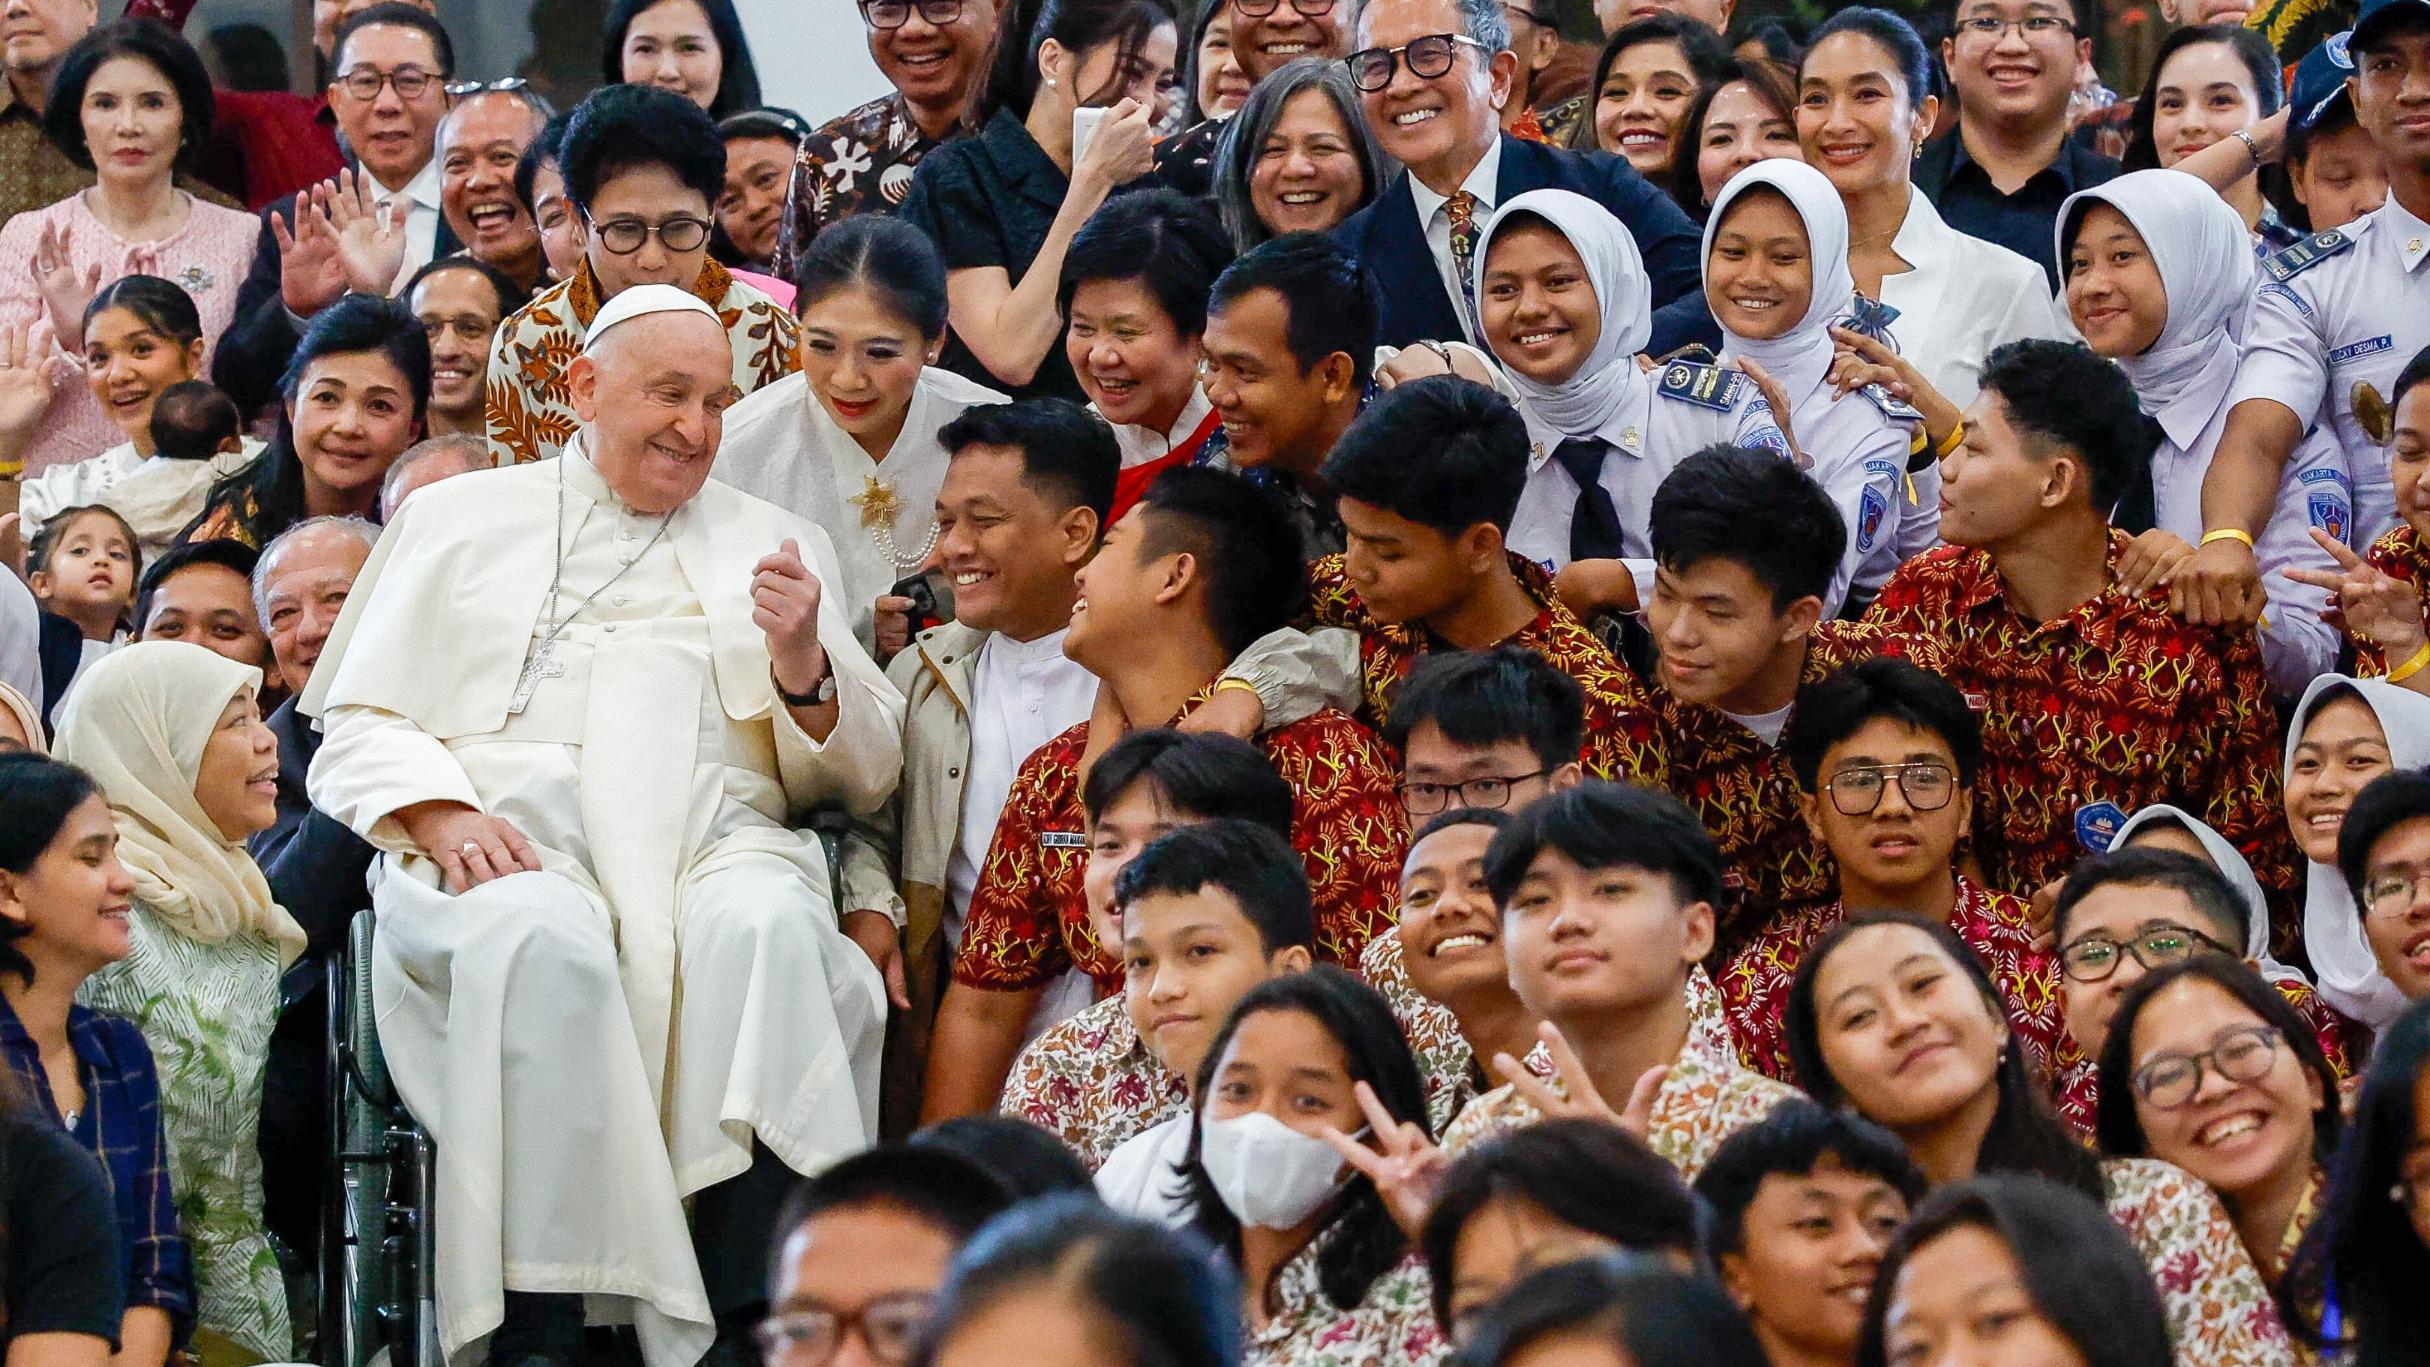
<point>878,504</point>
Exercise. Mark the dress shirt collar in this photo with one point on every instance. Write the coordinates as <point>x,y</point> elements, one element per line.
<point>1923,236</point>
<point>2069,166</point>
<point>424,189</point>
<point>1140,443</point>
<point>1481,181</point>
<point>2406,233</point>
<point>1022,657</point>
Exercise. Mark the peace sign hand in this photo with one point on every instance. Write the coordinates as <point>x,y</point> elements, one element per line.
<point>1408,1168</point>
<point>2377,606</point>
<point>1576,1098</point>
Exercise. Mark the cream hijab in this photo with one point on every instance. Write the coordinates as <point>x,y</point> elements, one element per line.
<point>29,717</point>
<point>1585,401</point>
<point>137,721</point>
<point>2349,974</point>
<point>1799,359</point>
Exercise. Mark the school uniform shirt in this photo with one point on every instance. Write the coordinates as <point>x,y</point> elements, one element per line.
<point>1028,920</point>
<point>2219,1310</point>
<point>2112,706</point>
<point>1963,297</point>
<point>1022,695</point>
<point>1392,1325</point>
<point>2339,315</point>
<point>1623,740</point>
<point>2401,554</point>
<point>1141,1176</point>
<point>1446,1065</point>
<point>1090,1081</point>
<point>1997,927</point>
<point>1196,435</point>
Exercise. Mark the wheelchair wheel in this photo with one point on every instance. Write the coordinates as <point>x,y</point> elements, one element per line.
<point>377,1305</point>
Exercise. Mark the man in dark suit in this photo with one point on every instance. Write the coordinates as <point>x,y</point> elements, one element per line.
<point>389,94</point>
<point>1434,75</point>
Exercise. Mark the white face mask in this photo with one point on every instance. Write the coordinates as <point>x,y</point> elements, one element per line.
<point>1268,1174</point>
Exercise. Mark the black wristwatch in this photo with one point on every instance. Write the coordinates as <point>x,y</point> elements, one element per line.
<point>816,697</point>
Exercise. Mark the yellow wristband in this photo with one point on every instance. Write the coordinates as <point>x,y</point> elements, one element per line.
<point>2228,534</point>
<point>1957,435</point>
<point>1226,685</point>
<point>2419,662</point>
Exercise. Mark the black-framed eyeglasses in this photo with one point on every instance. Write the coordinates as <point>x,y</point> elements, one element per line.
<point>364,82</point>
<point>1428,57</point>
<point>2244,1055</point>
<point>1259,9</point>
<point>1492,790</point>
<point>1925,786</point>
<point>2391,895</point>
<point>812,1336</point>
<point>1993,28</point>
<point>896,13</point>
<point>624,236</point>
<point>2093,958</point>
<point>504,85</point>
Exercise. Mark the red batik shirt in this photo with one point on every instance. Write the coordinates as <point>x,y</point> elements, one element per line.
<point>1029,921</point>
<point>1621,738</point>
<point>2399,554</point>
<point>1743,790</point>
<point>2110,708</point>
<point>1997,927</point>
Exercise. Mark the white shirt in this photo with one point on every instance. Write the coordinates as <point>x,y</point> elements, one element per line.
<point>1767,726</point>
<point>1436,219</point>
<point>1138,1177</point>
<point>1022,695</point>
<point>1964,297</point>
<point>421,217</point>
<point>20,639</point>
<point>157,497</point>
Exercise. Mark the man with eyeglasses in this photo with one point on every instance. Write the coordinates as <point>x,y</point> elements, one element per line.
<point>1266,35</point>
<point>1885,756</point>
<point>389,94</point>
<point>1434,76</point>
<point>2384,853</point>
<point>2002,176</point>
<point>643,168</point>
<point>933,52</point>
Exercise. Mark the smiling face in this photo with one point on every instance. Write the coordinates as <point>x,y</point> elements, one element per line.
<point>1583,943</point>
<point>1896,847</point>
<point>236,785</point>
<point>1009,549</point>
<point>2119,913</point>
<point>562,236</point>
<point>933,65</point>
<point>1129,823</point>
<point>2409,458</point>
<point>2341,750</point>
<point>1134,362</point>
<point>1716,628</point>
<point>1904,1031</point>
<point>1274,412</point>
<point>1187,958</point>
<point>1104,75</point>
<point>74,898</point>
<point>1740,129</point>
<point>1759,279</point>
<point>1537,307</point>
<point>2240,1138</point>
<point>649,195</point>
<point>1262,43</point>
<point>133,122</point>
<point>480,145</point>
<point>1961,1298</point>
<point>304,587</point>
<point>2342,177</point>
<point>2203,93</point>
<point>127,363</point>
<point>1856,119</point>
<point>1809,1246</point>
<point>1638,109</point>
<point>1439,127</point>
<point>862,358</point>
<point>460,313</point>
<point>2017,77</point>
<point>652,395</point>
<point>1450,930</point>
<point>210,606</point>
<point>393,136</point>
<point>1222,86</point>
<point>758,173</point>
<point>2391,91</point>
<point>2114,291</point>
<point>1306,178</point>
<point>670,45</point>
<point>353,416</point>
<point>2401,944</point>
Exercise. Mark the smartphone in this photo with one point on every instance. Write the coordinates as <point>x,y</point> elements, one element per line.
<point>1084,127</point>
<point>931,595</point>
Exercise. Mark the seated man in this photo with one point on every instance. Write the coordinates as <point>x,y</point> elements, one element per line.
<point>1885,755</point>
<point>1091,1079</point>
<point>1744,547</point>
<point>1200,568</point>
<point>1208,912</point>
<point>2384,853</point>
<point>202,592</point>
<point>1607,894</point>
<point>610,976</point>
<point>1802,1208</point>
<point>2094,703</point>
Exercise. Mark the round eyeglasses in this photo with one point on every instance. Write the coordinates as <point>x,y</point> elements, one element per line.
<point>2094,957</point>
<point>2172,1080</point>
<point>624,236</point>
<point>1428,57</point>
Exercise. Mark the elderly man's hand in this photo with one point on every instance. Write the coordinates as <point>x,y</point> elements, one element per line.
<point>784,604</point>
<point>470,847</point>
<point>878,939</point>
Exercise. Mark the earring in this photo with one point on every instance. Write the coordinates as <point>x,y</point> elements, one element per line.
<point>1050,82</point>
<point>1917,154</point>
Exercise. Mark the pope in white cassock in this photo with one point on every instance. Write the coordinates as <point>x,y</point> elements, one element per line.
<point>578,704</point>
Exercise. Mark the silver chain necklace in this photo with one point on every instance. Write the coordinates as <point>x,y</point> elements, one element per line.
<point>542,663</point>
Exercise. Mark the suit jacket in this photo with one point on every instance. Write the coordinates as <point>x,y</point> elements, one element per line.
<point>318,870</point>
<point>260,341</point>
<point>1415,306</point>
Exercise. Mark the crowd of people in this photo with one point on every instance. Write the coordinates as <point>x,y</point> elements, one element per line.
<point>1307,683</point>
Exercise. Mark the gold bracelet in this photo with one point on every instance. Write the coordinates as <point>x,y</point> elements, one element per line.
<point>1227,685</point>
<point>2419,662</point>
<point>2228,534</point>
<point>1956,437</point>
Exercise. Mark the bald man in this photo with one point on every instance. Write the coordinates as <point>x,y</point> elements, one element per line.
<point>578,705</point>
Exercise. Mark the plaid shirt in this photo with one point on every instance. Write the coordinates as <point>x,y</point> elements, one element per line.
<point>2107,709</point>
<point>120,1124</point>
<point>2399,554</point>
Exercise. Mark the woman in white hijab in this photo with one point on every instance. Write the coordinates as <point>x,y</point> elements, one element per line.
<point>2345,733</point>
<point>174,736</point>
<point>20,722</point>
<point>1776,277</point>
<point>2160,276</point>
<point>1563,303</point>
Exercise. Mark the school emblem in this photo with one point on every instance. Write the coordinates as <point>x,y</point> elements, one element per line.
<point>1869,513</point>
<point>2097,825</point>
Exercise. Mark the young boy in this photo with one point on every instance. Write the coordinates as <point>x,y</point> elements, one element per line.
<point>1607,894</point>
<point>2094,703</point>
<point>1885,755</point>
<point>2384,853</point>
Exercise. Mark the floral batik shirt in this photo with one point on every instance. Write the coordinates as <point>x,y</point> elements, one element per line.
<point>1446,1064</point>
<point>860,162</point>
<point>1392,1325</point>
<point>2399,555</point>
<point>1090,1081</point>
<point>2220,1313</point>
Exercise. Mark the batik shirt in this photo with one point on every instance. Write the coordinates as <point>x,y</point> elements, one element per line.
<point>1708,1095</point>
<point>2220,1313</point>
<point>860,162</point>
<point>1622,736</point>
<point>1446,1064</point>
<point>1391,1326</point>
<point>1028,919</point>
<point>531,404</point>
<point>2401,555</point>
<point>2109,708</point>
<point>1997,927</point>
<point>1090,1081</point>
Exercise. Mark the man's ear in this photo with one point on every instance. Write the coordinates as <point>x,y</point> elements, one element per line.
<point>1340,376</point>
<point>1799,621</point>
<point>1700,931</point>
<point>582,383</point>
<point>1080,532</point>
<point>1180,576</point>
<point>2068,471</point>
<point>1502,77</point>
<point>1479,548</point>
<point>1290,959</point>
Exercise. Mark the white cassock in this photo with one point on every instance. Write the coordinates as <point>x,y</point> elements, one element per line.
<point>593,1043</point>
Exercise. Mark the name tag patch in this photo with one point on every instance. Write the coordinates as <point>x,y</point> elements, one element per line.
<point>2097,825</point>
<point>1703,385</point>
<point>1062,840</point>
<point>2355,351</point>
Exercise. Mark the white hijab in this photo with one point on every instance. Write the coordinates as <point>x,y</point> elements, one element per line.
<point>1800,358</point>
<point>2349,974</point>
<point>137,721</point>
<point>2232,866</point>
<point>29,717</point>
<point>1587,400</point>
<point>2205,257</point>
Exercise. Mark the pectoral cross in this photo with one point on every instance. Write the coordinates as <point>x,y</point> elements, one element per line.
<point>542,665</point>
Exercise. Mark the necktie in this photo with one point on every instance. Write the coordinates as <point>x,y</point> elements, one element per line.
<point>1462,209</point>
<point>1594,525</point>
